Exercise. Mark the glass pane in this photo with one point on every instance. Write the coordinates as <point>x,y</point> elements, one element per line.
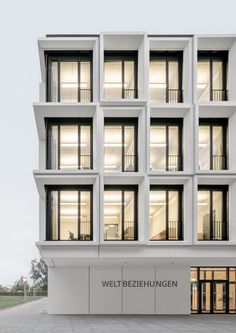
<point>219,297</point>
<point>206,273</point>
<point>217,214</point>
<point>129,148</point>
<point>129,80</point>
<point>54,215</point>
<point>158,148</point>
<point>113,148</point>
<point>69,147</point>
<point>157,80</point>
<point>232,297</point>
<point>54,147</point>
<point>112,215</point>
<point>69,215</point>
<point>85,84</point>
<point>220,274</point>
<point>203,80</point>
<point>173,158</point>
<point>69,81</point>
<point>129,218</point>
<point>85,212</point>
<point>203,215</point>
<point>54,82</point>
<point>217,80</point>
<point>204,147</point>
<point>113,80</point>
<point>218,158</point>
<point>157,215</point>
<point>173,81</point>
<point>206,297</point>
<point>173,197</point>
<point>85,147</point>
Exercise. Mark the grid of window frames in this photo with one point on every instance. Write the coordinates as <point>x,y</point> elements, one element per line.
<point>69,213</point>
<point>120,75</point>
<point>166,213</point>
<point>69,76</point>
<point>120,145</point>
<point>213,290</point>
<point>212,76</point>
<point>212,205</point>
<point>166,153</point>
<point>165,76</point>
<point>69,144</point>
<point>213,144</point>
<point>120,213</point>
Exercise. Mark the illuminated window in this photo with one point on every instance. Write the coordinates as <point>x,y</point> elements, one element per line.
<point>165,76</point>
<point>212,76</point>
<point>165,213</point>
<point>120,213</point>
<point>69,77</point>
<point>120,145</point>
<point>69,213</point>
<point>69,144</point>
<point>120,75</point>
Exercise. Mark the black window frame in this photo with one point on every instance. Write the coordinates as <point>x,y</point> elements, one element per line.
<point>49,122</point>
<point>123,56</point>
<point>221,56</point>
<point>125,122</point>
<point>225,214</point>
<point>123,189</point>
<point>79,188</point>
<point>169,188</point>
<point>168,122</point>
<point>74,56</point>
<point>168,56</point>
<point>211,122</point>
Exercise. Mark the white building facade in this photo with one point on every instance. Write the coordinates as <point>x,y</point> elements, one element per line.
<point>137,173</point>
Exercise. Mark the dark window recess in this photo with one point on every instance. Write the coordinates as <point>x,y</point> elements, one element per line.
<point>166,76</point>
<point>120,75</point>
<point>69,213</point>
<point>212,76</point>
<point>69,76</point>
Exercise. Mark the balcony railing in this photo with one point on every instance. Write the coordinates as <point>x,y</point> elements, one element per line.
<point>111,231</point>
<point>218,230</point>
<point>175,96</point>
<point>173,227</point>
<point>213,230</point>
<point>120,93</point>
<point>129,230</point>
<point>219,95</point>
<point>174,162</point>
<point>164,95</point>
<point>130,93</point>
<point>129,163</point>
<point>84,232</point>
<point>85,95</point>
<point>85,162</point>
<point>219,162</point>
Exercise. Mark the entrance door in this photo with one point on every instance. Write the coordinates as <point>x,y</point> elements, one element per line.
<point>212,296</point>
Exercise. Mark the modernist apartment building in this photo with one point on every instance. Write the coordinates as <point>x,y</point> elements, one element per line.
<point>137,173</point>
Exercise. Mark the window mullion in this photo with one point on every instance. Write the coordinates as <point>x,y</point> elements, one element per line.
<point>167,215</point>
<point>59,213</point>
<point>167,80</point>
<point>123,77</point>
<point>79,92</point>
<point>59,79</point>
<point>123,148</point>
<point>211,215</point>
<point>79,147</point>
<point>59,147</point>
<point>79,218</point>
<point>167,147</point>
<point>122,213</point>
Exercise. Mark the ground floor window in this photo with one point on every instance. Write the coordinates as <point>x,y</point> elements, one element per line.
<point>213,290</point>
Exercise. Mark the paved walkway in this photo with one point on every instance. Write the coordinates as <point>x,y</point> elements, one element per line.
<point>33,318</point>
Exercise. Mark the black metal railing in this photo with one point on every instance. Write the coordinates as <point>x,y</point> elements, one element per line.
<point>219,162</point>
<point>84,232</point>
<point>85,95</point>
<point>130,93</point>
<point>129,230</point>
<point>174,162</point>
<point>173,227</point>
<point>219,95</point>
<point>85,162</point>
<point>129,163</point>
<point>217,230</point>
<point>111,231</point>
<point>174,96</point>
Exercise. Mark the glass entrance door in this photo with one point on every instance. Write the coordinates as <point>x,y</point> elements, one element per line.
<point>213,296</point>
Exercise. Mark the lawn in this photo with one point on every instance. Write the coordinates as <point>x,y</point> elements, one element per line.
<point>8,301</point>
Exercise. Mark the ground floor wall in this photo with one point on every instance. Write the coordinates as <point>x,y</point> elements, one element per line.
<point>119,290</point>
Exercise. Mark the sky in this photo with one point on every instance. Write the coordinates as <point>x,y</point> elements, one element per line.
<point>21,23</point>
